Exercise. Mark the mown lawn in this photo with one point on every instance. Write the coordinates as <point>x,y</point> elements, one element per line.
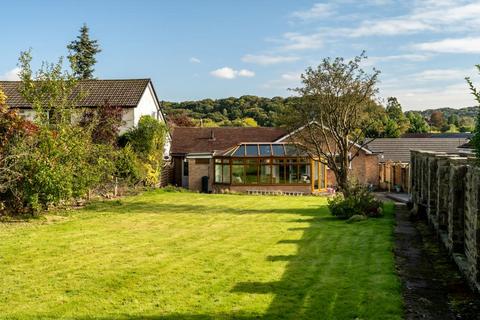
<point>192,256</point>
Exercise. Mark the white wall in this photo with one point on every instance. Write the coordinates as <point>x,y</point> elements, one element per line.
<point>128,118</point>
<point>148,105</point>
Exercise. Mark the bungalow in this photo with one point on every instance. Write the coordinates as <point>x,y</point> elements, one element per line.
<point>136,97</point>
<point>394,154</point>
<point>261,159</point>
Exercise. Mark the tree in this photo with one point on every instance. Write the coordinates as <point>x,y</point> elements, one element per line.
<point>395,113</point>
<point>104,123</point>
<point>453,119</point>
<point>181,119</point>
<point>437,119</point>
<point>59,161</point>
<point>82,54</point>
<point>475,141</point>
<point>417,123</point>
<point>334,97</point>
<point>466,124</point>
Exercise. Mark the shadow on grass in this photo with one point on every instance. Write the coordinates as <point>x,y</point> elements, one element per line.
<point>320,281</point>
<point>169,208</point>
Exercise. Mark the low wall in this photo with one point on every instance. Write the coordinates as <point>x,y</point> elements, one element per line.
<point>446,189</point>
<point>307,189</point>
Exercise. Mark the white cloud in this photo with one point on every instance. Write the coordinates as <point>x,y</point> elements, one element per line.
<point>297,41</point>
<point>424,16</point>
<point>224,73</point>
<point>372,61</point>
<point>459,45</point>
<point>388,27</point>
<point>286,80</point>
<point>229,73</point>
<point>318,10</point>
<point>268,59</point>
<point>442,74</point>
<point>194,60</point>
<point>246,73</point>
<point>454,96</point>
<point>11,75</point>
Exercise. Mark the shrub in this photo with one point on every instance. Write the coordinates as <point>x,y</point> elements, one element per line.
<point>127,165</point>
<point>147,141</point>
<point>360,201</point>
<point>56,166</point>
<point>171,188</point>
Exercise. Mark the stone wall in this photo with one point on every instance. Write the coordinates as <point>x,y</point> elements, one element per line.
<point>445,188</point>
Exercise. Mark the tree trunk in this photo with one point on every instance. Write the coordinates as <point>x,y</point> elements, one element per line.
<point>342,182</point>
<point>342,174</point>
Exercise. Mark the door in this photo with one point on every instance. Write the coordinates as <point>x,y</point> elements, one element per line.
<point>185,174</point>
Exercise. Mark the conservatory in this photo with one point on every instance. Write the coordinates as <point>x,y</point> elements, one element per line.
<point>269,164</point>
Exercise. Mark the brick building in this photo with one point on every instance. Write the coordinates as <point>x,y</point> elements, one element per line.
<point>260,159</point>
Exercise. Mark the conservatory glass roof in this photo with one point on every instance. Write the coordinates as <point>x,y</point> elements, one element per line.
<point>265,150</point>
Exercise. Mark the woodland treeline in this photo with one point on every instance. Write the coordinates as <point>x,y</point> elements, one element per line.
<point>269,112</point>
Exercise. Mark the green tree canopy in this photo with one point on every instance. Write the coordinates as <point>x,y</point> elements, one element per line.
<point>396,115</point>
<point>417,123</point>
<point>82,54</point>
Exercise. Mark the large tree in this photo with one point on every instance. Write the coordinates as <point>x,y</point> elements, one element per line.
<point>396,116</point>
<point>437,119</point>
<point>417,123</point>
<point>332,110</point>
<point>82,54</point>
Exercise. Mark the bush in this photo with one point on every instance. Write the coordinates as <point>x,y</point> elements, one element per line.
<point>56,166</point>
<point>360,201</point>
<point>147,141</point>
<point>127,165</point>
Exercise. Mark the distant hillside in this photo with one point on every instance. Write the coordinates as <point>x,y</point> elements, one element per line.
<point>265,112</point>
<point>462,112</point>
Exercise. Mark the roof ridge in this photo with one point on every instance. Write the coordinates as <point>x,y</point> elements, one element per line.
<point>84,80</point>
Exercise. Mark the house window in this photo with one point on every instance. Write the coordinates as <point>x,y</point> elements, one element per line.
<point>251,171</point>
<point>265,171</point>
<point>222,171</point>
<point>264,164</point>
<point>238,172</point>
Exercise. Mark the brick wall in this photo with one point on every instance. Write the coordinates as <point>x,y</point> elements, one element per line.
<point>364,169</point>
<point>307,189</point>
<point>198,169</point>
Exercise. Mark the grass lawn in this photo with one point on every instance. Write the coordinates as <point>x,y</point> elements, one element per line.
<point>167,255</point>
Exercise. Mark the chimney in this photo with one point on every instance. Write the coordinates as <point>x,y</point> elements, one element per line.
<point>212,135</point>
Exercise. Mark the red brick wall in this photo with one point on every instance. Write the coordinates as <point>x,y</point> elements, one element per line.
<point>364,169</point>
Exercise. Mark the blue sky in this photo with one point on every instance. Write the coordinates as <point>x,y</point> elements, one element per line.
<point>212,49</point>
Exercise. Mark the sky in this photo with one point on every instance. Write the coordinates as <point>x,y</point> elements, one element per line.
<point>220,48</point>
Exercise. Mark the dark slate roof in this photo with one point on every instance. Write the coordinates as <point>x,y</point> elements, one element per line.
<point>398,149</point>
<point>198,140</point>
<point>121,93</point>
<point>467,135</point>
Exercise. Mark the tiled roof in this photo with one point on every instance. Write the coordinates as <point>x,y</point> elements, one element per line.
<point>438,135</point>
<point>119,93</point>
<point>197,140</point>
<point>398,149</point>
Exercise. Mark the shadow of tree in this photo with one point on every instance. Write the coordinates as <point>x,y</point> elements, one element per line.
<point>320,281</point>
